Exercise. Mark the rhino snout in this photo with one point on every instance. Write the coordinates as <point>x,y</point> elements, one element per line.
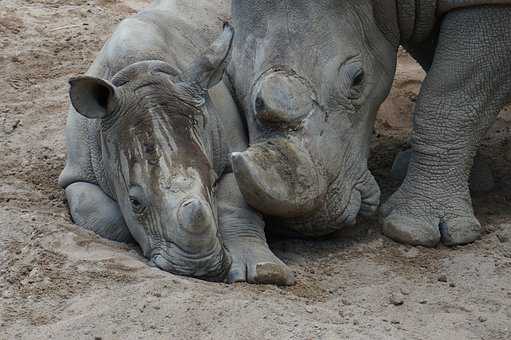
<point>282,99</point>
<point>195,248</point>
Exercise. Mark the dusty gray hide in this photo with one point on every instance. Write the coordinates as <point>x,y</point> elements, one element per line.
<point>310,76</point>
<point>148,149</point>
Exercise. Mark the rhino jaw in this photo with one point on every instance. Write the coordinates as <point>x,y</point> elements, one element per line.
<point>278,178</point>
<point>213,267</point>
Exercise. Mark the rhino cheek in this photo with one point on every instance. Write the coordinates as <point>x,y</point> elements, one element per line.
<point>279,178</point>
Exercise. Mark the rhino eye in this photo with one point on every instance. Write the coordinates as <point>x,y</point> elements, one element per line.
<point>137,206</point>
<point>358,78</point>
<point>137,200</point>
<point>352,79</point>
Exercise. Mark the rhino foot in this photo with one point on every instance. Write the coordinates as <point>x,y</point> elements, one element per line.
<point>422,218</point>
<point>242,230</point>
<point>254,262</point>
<point>460,230</point>
<point>411,230</point>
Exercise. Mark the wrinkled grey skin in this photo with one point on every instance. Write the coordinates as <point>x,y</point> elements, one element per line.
<point>148,148</point>
<point>309,77</point>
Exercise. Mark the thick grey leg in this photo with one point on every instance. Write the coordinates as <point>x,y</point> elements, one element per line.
<point>243,234</point>
<point>92,209</point>
<point>481,177</point>
<point>468,83</point>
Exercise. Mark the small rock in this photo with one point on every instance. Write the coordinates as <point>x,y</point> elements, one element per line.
<point>482,319</point>
<point>452,284</point>
<point>442,278</point>
<point>395,322</point>
<point>309,309</point>
<point>6,294</point>
<point>356,322</point>
<point>396,300</point>
<point>502,237</point>
<point>423,302</point>
<point>405,291</point>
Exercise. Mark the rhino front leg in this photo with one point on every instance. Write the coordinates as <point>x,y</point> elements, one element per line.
<point>468,83</point>
<point>242,231</point>
<point>92,209</point>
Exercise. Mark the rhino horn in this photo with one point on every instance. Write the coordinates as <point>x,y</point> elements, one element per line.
<point>279,181</point>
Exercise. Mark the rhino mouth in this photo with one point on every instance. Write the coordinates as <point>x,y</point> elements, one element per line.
<point>343,203</point>
<point>212,265</point>
<point>279,178</point>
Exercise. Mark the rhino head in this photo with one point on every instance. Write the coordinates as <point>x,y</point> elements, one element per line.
<point>310,76</point>
<point>160,158</point>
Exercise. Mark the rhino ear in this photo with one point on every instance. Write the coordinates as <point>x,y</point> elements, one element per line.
<point>208,69</point>
<point>92,97</point>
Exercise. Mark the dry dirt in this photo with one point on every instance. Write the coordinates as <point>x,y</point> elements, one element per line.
<point>59,281</point>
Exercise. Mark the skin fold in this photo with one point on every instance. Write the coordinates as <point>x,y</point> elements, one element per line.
<point>309,78</point>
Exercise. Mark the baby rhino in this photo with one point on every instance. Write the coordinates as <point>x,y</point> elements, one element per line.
<point>147,152</point>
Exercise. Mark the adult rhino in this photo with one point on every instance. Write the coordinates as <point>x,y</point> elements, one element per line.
<point>148,148</point>
<point>310,76</point>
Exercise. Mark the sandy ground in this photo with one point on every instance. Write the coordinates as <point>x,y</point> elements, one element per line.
<point>58,281</point>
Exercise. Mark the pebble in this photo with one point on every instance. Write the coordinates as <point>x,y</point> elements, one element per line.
<point>423,302</point>
<point>502,238</point>
<point>396,300</point>
<point>442,278</point>
<point>482,319</point>
<point>405,291</point>
<point>452,284</point>
<point>6,294</point>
